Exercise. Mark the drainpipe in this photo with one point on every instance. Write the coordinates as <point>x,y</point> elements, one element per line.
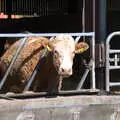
<point>102,20</point>
<point>101,11</point>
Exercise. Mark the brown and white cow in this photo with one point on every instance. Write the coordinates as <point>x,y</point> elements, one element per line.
<point>55,65</point>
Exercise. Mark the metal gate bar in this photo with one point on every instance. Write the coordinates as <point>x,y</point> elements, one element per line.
<point>108,60</point>
<point>84,76</point>
<point>92,34</point>
<point>12,62</point>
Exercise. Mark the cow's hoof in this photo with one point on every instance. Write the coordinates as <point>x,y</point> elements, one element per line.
<point>28,92</point>
<point>10,93</point>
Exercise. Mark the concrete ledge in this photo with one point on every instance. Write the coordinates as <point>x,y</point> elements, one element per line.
<point>62,108</point>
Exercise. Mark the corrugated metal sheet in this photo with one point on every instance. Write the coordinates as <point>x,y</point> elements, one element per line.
<point>35,7</point>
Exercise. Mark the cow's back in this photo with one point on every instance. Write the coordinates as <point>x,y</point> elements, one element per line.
<point>24,64</point>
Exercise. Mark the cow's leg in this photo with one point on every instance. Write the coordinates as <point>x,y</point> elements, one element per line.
<point>53,88</point>
<point>54,84</point>
<point>59,84</point>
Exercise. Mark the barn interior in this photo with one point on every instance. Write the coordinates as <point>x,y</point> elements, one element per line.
<point>55,16</point>
<point>63,16</point>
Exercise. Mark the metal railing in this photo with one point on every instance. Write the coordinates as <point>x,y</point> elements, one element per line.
<point>77,38</point>
<point>115,60</point>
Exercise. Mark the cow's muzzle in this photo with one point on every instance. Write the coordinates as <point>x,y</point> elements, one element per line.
<point>65,72</point>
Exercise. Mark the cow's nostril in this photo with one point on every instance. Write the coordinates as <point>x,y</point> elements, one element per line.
<point>66,71</point>
<point>63,70</point>
<point>69,70</point>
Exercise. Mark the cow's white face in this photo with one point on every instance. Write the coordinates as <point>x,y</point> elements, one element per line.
<point>63,58</point>
<point>63,54</point>
<point>63,50</point>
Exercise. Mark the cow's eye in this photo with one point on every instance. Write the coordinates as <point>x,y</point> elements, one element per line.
<point>55,53</point>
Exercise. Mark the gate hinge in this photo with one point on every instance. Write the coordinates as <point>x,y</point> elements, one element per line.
<point>99,55</point>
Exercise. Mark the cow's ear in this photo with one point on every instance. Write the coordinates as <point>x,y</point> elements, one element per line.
<point>81,47</point>
<point>47,44</point>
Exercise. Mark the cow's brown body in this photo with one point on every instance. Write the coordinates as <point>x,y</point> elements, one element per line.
<point>48,77</point>
<point>24,66</point>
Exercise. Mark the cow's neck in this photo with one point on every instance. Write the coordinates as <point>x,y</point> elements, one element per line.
<point>48,79</point>
<point>55,77</point>
<point>49,62</point>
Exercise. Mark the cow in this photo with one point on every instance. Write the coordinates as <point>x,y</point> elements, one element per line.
<point>55,65</point>
<point>8,41</point>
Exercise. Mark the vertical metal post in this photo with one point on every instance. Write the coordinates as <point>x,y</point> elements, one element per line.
<point>100,39</point>
<point>93,63</point>
<point>107,75</point>
<point>83,19</point>
<point>9,8</point>
<point>94,12</point>
<point>102,19</point>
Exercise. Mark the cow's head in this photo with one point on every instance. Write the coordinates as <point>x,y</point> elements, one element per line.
<point>63,50</point>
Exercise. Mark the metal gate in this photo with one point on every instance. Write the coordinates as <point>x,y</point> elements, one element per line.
<point>77,37</point>
<point>114,60</point>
